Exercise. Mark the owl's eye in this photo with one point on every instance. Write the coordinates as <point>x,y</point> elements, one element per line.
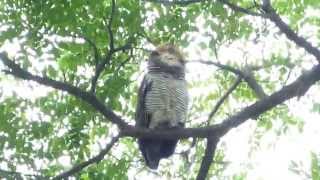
<point>155,53</point>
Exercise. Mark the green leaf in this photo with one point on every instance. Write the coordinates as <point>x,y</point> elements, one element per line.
<point>315,167</point>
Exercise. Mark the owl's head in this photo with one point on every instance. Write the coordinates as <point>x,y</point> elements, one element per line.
<point>167,55</point>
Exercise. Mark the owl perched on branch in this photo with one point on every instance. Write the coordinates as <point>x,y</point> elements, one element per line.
<point>162,102</point>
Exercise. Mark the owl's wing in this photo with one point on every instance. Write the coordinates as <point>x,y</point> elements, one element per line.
<point>142,117</point>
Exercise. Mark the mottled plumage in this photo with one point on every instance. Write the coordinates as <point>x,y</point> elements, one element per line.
<point>162,102</point>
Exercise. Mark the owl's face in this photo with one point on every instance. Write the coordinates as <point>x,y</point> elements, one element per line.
<point>168,55</point>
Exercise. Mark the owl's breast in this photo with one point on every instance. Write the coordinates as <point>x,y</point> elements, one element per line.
<point>167,94</point>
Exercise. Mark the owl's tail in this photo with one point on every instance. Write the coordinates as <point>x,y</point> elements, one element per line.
<point>153,150</point>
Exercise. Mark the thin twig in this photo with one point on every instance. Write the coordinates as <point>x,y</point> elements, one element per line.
<point>246,75</point>
<point>219,65</point>
<point>95,49</point>
<point>100,65</point>
<point>112,49</point>
<point>223,98</point>
<point>123,63</point>
<point>96,159</point>
<point>109,26</point>
<point>288,77</point>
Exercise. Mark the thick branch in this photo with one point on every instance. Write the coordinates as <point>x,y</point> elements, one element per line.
<point>16,71</point>
<point>96,159</point>
<point>295,89</point>
<point>284,28</point>
<point>207,158</point>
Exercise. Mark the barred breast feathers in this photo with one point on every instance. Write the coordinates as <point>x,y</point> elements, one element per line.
<point>168,99</point>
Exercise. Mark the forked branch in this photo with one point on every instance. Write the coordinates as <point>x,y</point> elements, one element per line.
<point>100,66</point>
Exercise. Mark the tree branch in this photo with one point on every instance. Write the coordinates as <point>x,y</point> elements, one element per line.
<point>100,66</point>
<point>99,69</point>
<point>212,142</point>
<point>223,98</point>
<point>16,71</point>
<point>207,158</point>
<point>246,75</point>
<point>239,9</point>
<point>295,89</point>
<point>95,49</point>
<point>188,2</point>
<point>219,65</point>
<point>284,28</point>
<point>253,84</point>
<point>271,14</point>
<point>95,159</point>
<point>109,26</point>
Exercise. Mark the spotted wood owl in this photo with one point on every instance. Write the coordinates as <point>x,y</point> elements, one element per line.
<point>162,102</point>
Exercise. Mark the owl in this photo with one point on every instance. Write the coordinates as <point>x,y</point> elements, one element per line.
<point>162,102</point>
